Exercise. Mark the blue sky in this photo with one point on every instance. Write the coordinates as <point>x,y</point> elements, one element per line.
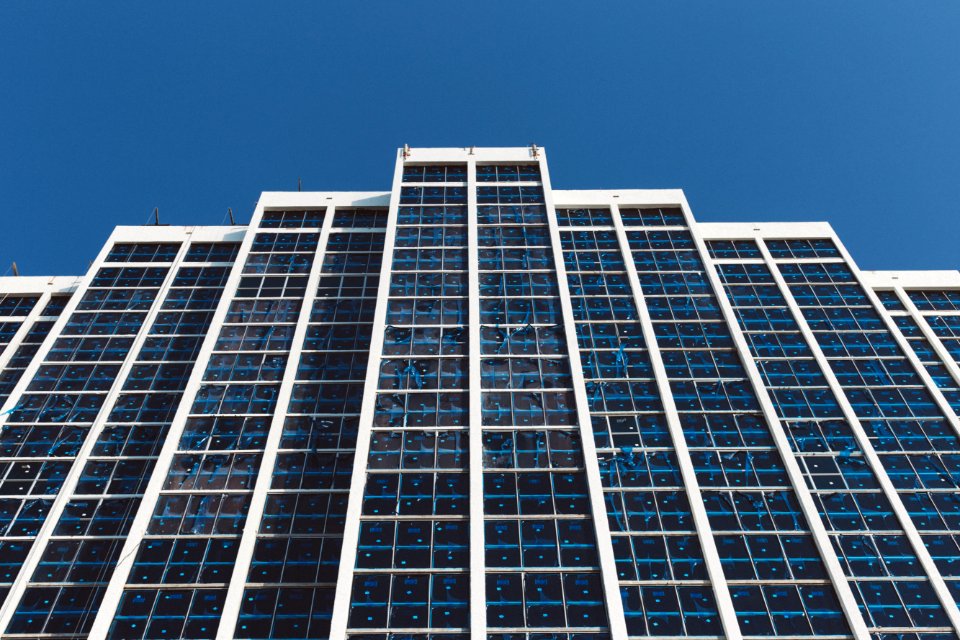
<point>840,111</point>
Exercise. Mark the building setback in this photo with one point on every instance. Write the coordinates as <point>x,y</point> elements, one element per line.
<point>478,407</point>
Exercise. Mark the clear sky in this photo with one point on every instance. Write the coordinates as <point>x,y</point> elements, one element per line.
<point>841,111</point>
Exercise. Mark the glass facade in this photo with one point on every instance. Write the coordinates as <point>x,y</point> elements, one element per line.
<point>477,407</point>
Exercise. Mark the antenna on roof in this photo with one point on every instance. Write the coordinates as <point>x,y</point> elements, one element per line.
<point>299,184</point>
<point>471,150</point>
<point>534,151</point>
<point>406,151</point>
<point>16,271</point>
<point>156,216</point>
<point>230,213</point>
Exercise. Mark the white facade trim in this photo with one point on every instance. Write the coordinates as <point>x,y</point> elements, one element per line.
<point>704,532</point>
<point>478,565</point>
<point>261,488</point>
<point>869,453</point>
<point>358,480</point>
<point>609,578</point>
<point>65,494</point>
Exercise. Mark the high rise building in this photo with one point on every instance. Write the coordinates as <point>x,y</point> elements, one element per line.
<point>478,407</point>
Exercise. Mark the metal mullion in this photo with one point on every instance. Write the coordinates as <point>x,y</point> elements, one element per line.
<point>348,554</point>
<point>863,440</point>
<point>65,493</point>
<point>238,578</point>
<point>611,585</point>
<point>783,444</point>
<point>138,528</point>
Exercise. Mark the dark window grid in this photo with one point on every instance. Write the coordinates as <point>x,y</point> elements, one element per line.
<point>435,173</point>
<point>330,310</point>
<point>416,493</point>
<point>585,217</point>
<point>353,263</point>
<point>659,558</point>
<point>251,366</point>
<point>504,195</point>
<point>58,407</point>
<point>900,603</point>
<point>608,284</point>
<point>515,259</point>
<point>418,450</point>
<point>852,511</point>
<point>488,214</point>
<point>540,544</point>
<point>420,409</point>
<point>530,373</point>
<point>212,471</point>
<point>292,219</point>
<point>734,249</point>
<point>413,544</point>
<point>20,478</point>
<point>430,259</point>
<point>504,236</point>
<point>589,240</point>
<point>427,236</point>
<point>944,326</point>
<point>508,172</point>
<point>56,610</point>
<point>670,610</point>
<point>817,272</point>
<point>199,513</point>
<point>661,240</point>
<point>629,396</point>
<point>548,599</point>
<point>74,377</point>
<point>532,449</point>
<point>104,323</point>
<point>143,252</point>
<point>626,335</point>
<point>338,336</point>
<point>802,248</point>
<point>286,612</point>
<point>252,337</point>
<point>520,311</point>
<point>719,468</point>
<point>278,263</point>
<point>284,242</point>
<point>432,215</point>
<point>272,287</point>
<point>351,242</point>
<point>523,340</point>
<point>431,285</point>
<point>424,341</point>
<point>945,300</point>
<point>773,510</point>
<point>117,300</point>
<point>332,365</point>
<point>295,560</point>
<point>426,311</point>
<point>129,277</point>
<point>433,195</point>
<point>528,493</point>
<point>750,556</point>
<point>360,218</point>
<point>161,613</point>
<point>605,363</point>
<point>313,470</point>
<point>528,408</point>
<point>804,610</point>
<point>648,511</point>
<point>630,431</point>
<point>351,287</point>
<point>410,600</point>
<point>422,373</point>
<point>212,252</point>
<point>639,468</point>
<point>652,216</point>
<point>319,432</point>
<point>233,399</point>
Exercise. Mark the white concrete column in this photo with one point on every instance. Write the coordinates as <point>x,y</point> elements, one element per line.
<point>258,500</point>
<point>807,505</point>
<point>96,428</point>
<point>478,565</point>
<point>718,582</point>
<point>610,580</point>
<point>869,453</point>
<point>348,555</point>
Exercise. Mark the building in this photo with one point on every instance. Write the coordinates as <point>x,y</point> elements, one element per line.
<point>547,414</point>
